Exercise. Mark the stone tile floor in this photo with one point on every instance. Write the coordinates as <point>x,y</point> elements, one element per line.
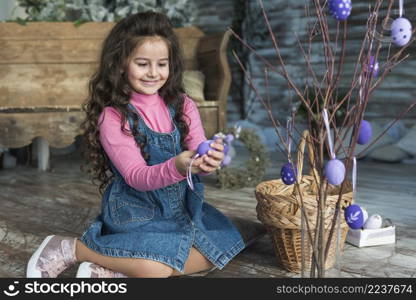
<point>62,201</point>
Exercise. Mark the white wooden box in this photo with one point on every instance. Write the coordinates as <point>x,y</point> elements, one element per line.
<point>372,237</point>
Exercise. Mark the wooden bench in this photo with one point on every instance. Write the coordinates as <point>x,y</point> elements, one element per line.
<point>45,68</point>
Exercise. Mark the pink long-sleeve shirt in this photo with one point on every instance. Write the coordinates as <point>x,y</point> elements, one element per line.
<point>126,156</point>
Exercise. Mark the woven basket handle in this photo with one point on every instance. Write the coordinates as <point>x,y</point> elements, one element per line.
<point>306,139</point>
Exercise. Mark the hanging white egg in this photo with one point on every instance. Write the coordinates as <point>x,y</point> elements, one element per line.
<point>335,171</point>
<point>373,222</point>
<point>401,31</point>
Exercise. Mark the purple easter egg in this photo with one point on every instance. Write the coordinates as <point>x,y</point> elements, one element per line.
<point>226,161</point>
<point>226,149</point>
<point>335,171</point>
<point>354,216</point>
<point>229,138</point>
<point>204,147</point>
<point>372,67</point>
<point>340,9</point>
<point>365,134</point>
<point>288,174</point>
<point>401,31</point>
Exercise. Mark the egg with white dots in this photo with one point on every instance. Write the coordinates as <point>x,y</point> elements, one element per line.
<point>288,174</point>
<point>401,31</point>
<point>340,9</point>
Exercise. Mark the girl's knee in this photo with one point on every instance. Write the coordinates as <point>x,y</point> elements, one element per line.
<point>151,269</point>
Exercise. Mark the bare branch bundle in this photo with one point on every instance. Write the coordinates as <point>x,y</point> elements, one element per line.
<point>319,94</point>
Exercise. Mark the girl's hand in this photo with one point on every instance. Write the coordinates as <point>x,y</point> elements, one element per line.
<point>183,160</point>
<point>212,160</point>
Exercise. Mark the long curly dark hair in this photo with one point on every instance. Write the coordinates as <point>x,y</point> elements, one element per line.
<point>109,87</point>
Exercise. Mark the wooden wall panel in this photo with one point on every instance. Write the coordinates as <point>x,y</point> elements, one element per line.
<point>44,84</point>
<point>59,129</point>
<point>49,51</point>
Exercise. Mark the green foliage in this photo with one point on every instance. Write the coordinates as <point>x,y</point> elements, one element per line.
<point>180,12</point>
<point>255,167</point>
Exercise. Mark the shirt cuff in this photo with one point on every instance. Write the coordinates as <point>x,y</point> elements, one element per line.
<point>174,171</point>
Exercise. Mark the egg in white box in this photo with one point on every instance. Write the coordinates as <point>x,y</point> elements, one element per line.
<point>365,214</point>
<point>373,222</point>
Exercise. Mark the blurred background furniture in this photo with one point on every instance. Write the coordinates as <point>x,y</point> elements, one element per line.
<point>45,71</point>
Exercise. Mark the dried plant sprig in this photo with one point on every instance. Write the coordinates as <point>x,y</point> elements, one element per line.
<point>325,89</point>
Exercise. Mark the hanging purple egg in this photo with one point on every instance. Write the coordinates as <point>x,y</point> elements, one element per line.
<point>335,171</point>
<point>401,31</point>
<point>365,134</point>
<point>288,174</point>
<point>340,9</point>
<point>372,67</point>
<point>226,161</point>
<point>354,216</point>
<point>204,147</point>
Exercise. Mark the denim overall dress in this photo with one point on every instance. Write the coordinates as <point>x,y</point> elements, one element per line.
<point>161,224</point>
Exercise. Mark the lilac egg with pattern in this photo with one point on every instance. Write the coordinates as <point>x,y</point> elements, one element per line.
<point>365,134</point>
<point>354,216</point>
<point>288,174</point>
<point>335,171</point>
<point>226,149</point>
<point>401,31</point>
<point>340,9</point>
<point>204,147</point>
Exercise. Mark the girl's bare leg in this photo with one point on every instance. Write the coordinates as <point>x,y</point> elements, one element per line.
<point>131,267</point>
<point>138,267</point>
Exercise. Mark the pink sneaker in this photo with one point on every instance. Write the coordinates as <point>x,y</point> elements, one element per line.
<point>54,255</point>
<point>91,270</point>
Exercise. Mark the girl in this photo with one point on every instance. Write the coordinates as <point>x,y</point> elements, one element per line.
<point>141,132</point>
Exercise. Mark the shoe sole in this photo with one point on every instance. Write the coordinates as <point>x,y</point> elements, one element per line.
<point>31,271</point>
<point>84,270</point>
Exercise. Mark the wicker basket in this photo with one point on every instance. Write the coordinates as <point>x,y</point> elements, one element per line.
<point>279,209</point>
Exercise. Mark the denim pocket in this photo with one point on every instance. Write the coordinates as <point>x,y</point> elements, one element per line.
<point>131,206</point>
